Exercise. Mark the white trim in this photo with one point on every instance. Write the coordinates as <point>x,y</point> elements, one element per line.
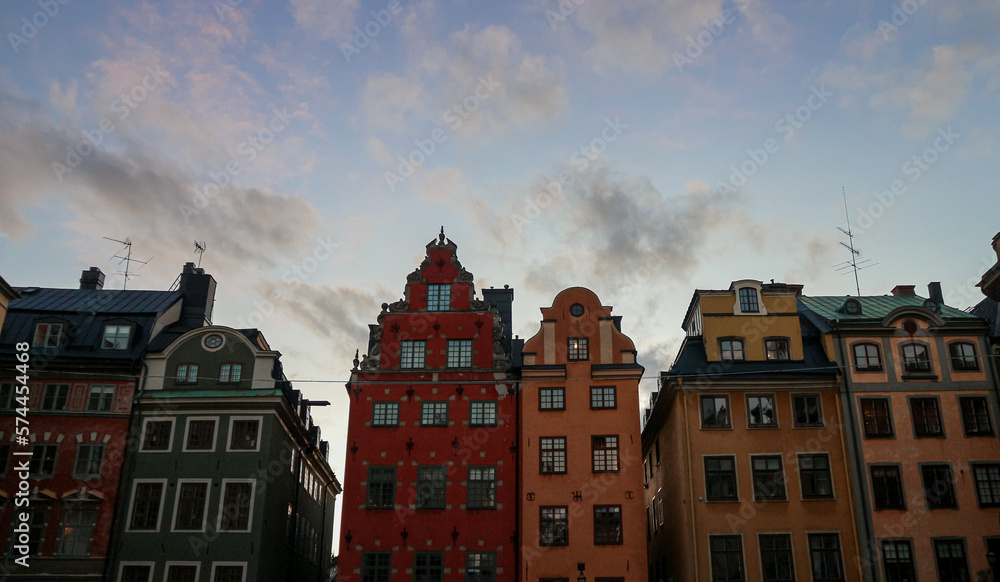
<point>784,477</point>
<point>743,549</point>
<point>222,505</point>
<point>840,548</point>
<point>791,550</point>
<point>131,505</point>
<point>829,468</point>
<point>216,564</point>
<point>205,337</point>
<point>177,502</point>
<point>187,429</point>
<point>260,434</point>
<point>736,474</point>
<point>166,569</point>
<point>170,440</point>
<point>152,568</point>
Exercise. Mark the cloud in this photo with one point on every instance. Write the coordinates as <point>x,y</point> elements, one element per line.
<point>326,19</point>
<point>339,314</point>
<point>940,91</point>
<point>389,101</point>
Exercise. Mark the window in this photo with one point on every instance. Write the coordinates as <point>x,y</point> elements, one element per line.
<point>434,413</point>
<point>483,413</point>
<point>227,572</point>
<point>876,417</point>
<point>136,573</point>
<point>720,479</point>
<point>147,499</point>
<point>482,488</point>
<point>887,487</point>
<point>88,461</point>
<point>460,353</point>
<point>963,356</point>
<point>554,526</point>
<point>376,566</point>
<point>200,434</point>
<point>607,525</point>
<point>385,414</point>
<point>824,549</point>
<point>656,447</point>
<point>100,397</point>
<point>187,373</point>
<point>768,478</point>
<point>604,450</point>
<point>867,357</point>
<point>760,411</point>
<point>659,507</point>
<point>38,522</point>
<point>412,353</point>
<point>182,572</point>
<point>987,477</point>
<point>808,410</point>
<point>48,335</point>
<point>951,564</point>
<point>230,373</point>
<point>237,499</point>
<point>916,359</point>
<point>727,558</point>
<point>897,559</point>
<point>577,349</point>
<point>814,476</point>
<point>116,337</point>
<point>552,451</point>
<point>603,397</point>
<point>192,502</point>
<point>731,349</point>
<point>428,567</point>
<point>76,532</point>
<point>381,487</point>
<point>4,457</point>
<point>777,349</point>
<point>55,397</point>
<point>926,417</point>
<point>156,435</point>
<point>939,487</point>
<point>431,483</point>
<point>552,399</point>
<point>748,300</point>
<point>480,567</point>
<point>776,560</point>
<point>243,433</point>
<point>43,460</point>
<point>975,416</point>
<point>715,412</point>
<point>438,297</point>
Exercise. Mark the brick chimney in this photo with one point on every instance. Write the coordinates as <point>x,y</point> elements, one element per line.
<point>92,279</point>
<point>198,290</point>
<point>900,290</point>
<point>503,300</point>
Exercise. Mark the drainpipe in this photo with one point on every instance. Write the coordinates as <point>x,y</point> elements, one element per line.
<point>518,393</point>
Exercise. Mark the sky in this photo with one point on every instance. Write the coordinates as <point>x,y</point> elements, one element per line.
<point>640,148</point>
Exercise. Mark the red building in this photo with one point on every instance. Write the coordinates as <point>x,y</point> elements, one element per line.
<point>431,475</point>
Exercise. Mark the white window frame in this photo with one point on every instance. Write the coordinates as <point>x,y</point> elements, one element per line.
<point>222,498</point>
<point>260,434</point>
<point>170,441</point>
<point>103,388</point>
<point>187,429</point>
<point>76,460</point>
<point>216,564</point>
<point>791,548</point>
<point>45,340</point>
<point>152,568</point>
<point>131,508</point>
<point>197,569</point>
<point>128,336</point>
<point>177,502</point>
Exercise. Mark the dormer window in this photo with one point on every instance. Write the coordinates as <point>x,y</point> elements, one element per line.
<point>48,335</point>
<point>851,307</point>
<point>777,348</point>
<point>748,300</point>
<point>116,337</point>
<point>731,349</point>
<point>438,297</point>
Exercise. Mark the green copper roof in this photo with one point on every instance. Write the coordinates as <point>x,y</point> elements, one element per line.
<point>874,307</point>
<point>211,393</point>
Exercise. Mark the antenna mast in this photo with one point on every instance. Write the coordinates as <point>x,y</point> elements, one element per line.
<point>127,259</point>
<point>854,264</point>
<point>199,247</point>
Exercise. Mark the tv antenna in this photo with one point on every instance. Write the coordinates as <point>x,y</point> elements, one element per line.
<point>856,263</point>
<point>199,247</point>
<point>125,256</point>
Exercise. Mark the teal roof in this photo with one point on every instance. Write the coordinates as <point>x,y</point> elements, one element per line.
<point>211,393</point>
<point>873,308</point>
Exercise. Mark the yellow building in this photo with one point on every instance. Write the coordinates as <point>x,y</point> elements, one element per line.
<point>7,294</point>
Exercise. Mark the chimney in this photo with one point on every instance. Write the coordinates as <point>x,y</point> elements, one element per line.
<point>900,290</point>
<point>92,278</point>
<point>617,319</point>
<point>198,292</point>
<point>503,300</point>
<point>996,245</point>
<point>934,293</point>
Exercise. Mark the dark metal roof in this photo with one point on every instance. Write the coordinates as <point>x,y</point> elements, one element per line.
<point>106,301</point>
<point>988,310</point>
<point>873,308</point>
<point>693,362</point>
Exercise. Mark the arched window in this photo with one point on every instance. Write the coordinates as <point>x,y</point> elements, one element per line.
<point>916,357</point>
<point>867,357</point>
<point>963,356</point>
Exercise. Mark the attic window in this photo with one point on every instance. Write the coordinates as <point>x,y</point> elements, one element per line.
<point>48,335</point>
<point>116,337</point>
<point>851,307</point>
<point>748,300</point>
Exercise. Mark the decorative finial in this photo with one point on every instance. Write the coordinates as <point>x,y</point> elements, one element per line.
<point>441,236</point>
<point>356,361</point>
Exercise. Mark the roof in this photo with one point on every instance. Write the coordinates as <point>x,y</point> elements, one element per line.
<point>988,310</point>
<point>7,290</point>
<point>873,307</point>
<point>106,301</point>
<point>693,361</point>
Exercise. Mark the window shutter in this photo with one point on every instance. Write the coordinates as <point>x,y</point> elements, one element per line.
<point>77,397</point>
<point>123,399</point>
<point>37,392</point>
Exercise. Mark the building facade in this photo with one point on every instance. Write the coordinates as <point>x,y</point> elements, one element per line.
<point>746,474</point>
<point>431,476</point>
<point>580,447</point>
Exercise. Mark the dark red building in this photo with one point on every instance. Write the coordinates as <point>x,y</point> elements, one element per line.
<point>431,475</point>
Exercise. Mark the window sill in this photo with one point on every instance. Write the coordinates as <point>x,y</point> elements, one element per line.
<point>764,426</point>
<point>919,376</point>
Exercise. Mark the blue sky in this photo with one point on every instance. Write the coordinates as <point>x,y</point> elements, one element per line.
<point>640,148</point>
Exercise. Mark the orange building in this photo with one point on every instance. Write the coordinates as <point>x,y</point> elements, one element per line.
<point>745,462</point>
<point>581,483</point>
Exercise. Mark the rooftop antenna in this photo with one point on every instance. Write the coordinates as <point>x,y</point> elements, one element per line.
<point>856,263</point>
<point>127,258</point>
<point>199,247</point>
